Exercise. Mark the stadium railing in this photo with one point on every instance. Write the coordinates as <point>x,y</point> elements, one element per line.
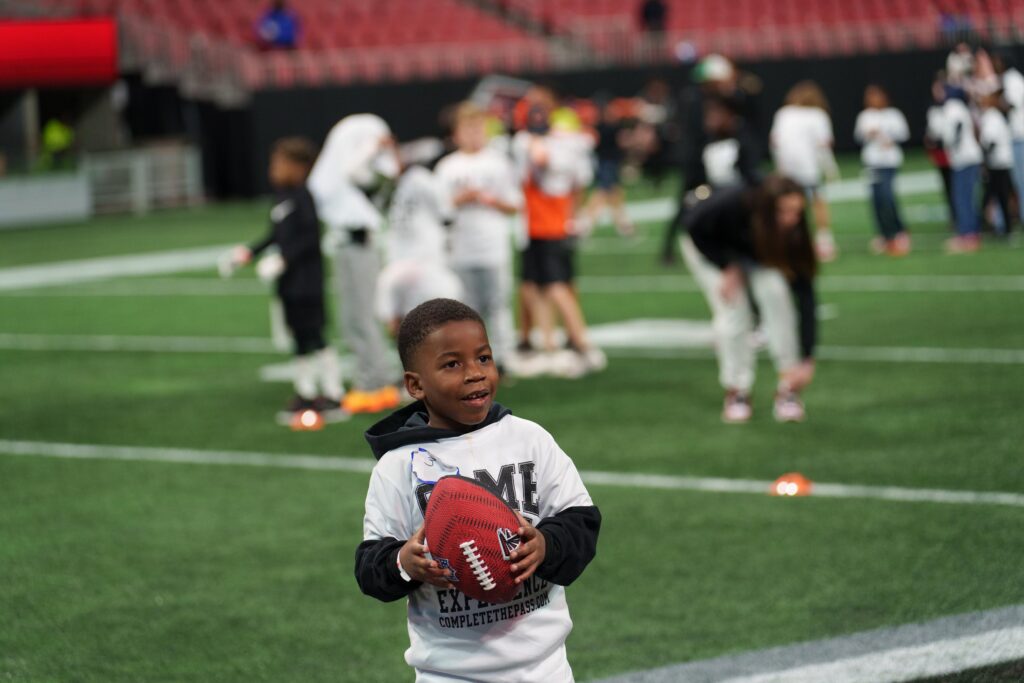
<point>141,179</point>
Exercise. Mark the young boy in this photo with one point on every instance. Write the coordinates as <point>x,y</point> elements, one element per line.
<point>481,184</point>
<point>456,427</point>
<point>554,165</point>
<point>295,231</point>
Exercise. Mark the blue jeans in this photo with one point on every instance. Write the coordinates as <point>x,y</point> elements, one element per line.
<point>1018,174</point>
<point>883,200</point>
<point>965,184</point>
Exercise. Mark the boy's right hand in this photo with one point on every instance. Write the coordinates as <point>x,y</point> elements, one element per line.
<point>466,196</point>
<point>413,558</point>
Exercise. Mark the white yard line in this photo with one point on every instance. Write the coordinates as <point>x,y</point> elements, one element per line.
<point>637,284</point>
<point>901,653</point>
<point>906,663</point>
<point>851,189</point>
<point>588,284</point>
<point>855,354</point>
<point>597,478</point>
<point>667,348</point>
<point>113,343</point>
<point>90,270</point>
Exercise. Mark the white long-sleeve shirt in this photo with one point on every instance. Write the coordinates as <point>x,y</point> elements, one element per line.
<point>881,131</point>
<point>449,633</point>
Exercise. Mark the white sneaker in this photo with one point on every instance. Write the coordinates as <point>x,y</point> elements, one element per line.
<point>595,359</point>
<point>789,407</point>
<point>736,408</point>
<point>567,364</point>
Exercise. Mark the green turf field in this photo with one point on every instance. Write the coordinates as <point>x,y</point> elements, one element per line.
<point>143,571</point>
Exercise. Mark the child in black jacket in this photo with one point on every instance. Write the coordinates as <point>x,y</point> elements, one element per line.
<point>298,269</point>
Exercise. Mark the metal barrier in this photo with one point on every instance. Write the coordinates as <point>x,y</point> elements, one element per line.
<point>139,180</point>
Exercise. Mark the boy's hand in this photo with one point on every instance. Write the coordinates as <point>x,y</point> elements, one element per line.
<point>413,559</point>
<point>466,196</point>
<point>531,551</point>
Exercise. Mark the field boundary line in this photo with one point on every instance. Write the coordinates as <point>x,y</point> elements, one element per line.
<point>597,478</point>
<point>666,348</point>
<point>588,284</point>
<point>903,653</point>
<point>103,268</point>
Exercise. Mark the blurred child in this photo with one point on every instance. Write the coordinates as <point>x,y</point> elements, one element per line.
<point>997,145</point>
<point>933,141</point>
<point>611,134</point>
<point>417,260</point>
<point>1012,82</point>
<point>483,191</point>
<point>295,231</point>
<point>801,142</point>
<point>553,163</point>
<point>965,159</point>
<point>880,128</point>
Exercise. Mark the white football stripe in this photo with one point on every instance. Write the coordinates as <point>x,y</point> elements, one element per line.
<point>598,478</point>
<point>906,663</point>
<point>897,653</point>
<point>589,284</point>
<point>88,270</point>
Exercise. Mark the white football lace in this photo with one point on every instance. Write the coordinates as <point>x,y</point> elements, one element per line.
<point>480,570</point>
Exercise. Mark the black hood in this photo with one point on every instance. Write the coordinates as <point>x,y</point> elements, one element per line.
<point>409,425</point>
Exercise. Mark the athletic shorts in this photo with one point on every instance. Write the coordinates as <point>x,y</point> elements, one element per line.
<point>607,176</point>
<point>305,319</point>
<point>546,262</point>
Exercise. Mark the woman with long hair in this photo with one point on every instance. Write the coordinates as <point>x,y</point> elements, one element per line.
<point>801,144</point>
<point>756,239</point>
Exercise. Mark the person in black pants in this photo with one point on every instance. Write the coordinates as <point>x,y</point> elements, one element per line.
<point>297,267</point>
<point>997,144</point>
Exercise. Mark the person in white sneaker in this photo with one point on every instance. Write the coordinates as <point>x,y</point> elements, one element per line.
<point>756,239</point>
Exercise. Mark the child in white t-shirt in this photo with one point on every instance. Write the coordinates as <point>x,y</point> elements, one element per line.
<point>881,128</point>
<point>417,263</point>
<point>483,188</point>
<point>997,144</point>
<point>965,159</point>
<point>455,426</point>
<point>801,144</point>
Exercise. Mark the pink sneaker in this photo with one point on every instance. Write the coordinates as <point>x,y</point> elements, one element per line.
<point>736,408</point>
<point>789,407</point>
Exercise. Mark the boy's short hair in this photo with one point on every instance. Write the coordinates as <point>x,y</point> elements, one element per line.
<point>468,112</point>
<point>297,149</point>
<point>426,318</point>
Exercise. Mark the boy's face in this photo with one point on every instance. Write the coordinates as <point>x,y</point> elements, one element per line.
<point>285,172</point>
<point>454,375</point>
<point>471,134</point>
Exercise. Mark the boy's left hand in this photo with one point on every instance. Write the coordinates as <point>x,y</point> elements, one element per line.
<point>531,551</point>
